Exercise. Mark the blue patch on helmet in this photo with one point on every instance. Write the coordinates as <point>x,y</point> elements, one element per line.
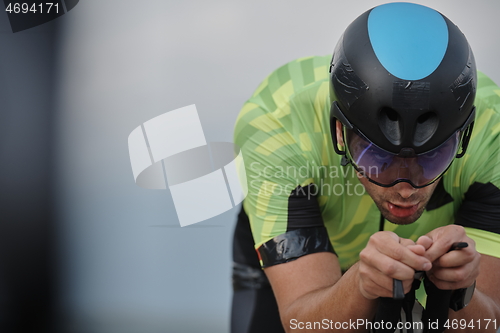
<point>409,40</point>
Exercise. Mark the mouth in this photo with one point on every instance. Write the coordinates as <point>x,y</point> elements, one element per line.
<point>403,210</point>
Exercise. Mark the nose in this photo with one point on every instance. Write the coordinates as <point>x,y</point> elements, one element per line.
<point>405,190</point>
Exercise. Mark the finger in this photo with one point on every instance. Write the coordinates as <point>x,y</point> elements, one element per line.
<point>388,266</point>
<point>456,258</point>
<point>452,275</point>
<point>379,284</point>
<point>425,241</point>
<point>387,283</point>
<point>406,242</point>
<point>417,249</point>
<point>442,284</point>
<point>388,243</point>
<point>404,255</point>
<point>442,239</point>
<point>453,278</point>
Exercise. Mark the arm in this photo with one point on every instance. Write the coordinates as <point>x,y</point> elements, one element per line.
<point>485,304</point>
<point>312,288</point>
<point>459,269</point>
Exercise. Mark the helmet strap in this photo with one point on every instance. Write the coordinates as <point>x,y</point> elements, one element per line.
<point>465,140</point>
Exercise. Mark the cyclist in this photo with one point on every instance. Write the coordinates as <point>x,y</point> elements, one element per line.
<point>364,169</point>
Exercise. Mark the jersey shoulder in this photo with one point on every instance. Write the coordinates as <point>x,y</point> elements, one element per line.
<point>287,80</point>
<point>480,163</point>
<point>286,102</point>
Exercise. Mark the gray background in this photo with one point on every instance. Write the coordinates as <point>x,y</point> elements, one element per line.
<point>125,263</point>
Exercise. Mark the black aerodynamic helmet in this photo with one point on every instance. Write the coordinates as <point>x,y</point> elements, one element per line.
<point>403,82</point>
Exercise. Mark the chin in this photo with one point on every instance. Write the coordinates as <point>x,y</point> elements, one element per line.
<point>403,220</point>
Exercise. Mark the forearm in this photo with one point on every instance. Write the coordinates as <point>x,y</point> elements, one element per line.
<point>338,306</point>
<point>481,315</point>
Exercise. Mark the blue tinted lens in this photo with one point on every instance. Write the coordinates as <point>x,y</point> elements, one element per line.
<point>436,161</point>
<point>386,168</point>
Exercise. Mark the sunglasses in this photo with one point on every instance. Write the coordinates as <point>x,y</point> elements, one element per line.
<point>387,169</point>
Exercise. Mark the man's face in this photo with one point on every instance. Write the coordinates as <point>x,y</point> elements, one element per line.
<point>401,203</point>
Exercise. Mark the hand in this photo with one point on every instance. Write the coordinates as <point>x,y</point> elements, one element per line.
<point>387,257</point>
<point>450,269</point>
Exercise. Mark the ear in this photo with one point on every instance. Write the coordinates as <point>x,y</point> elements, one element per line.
<point>340,137</point>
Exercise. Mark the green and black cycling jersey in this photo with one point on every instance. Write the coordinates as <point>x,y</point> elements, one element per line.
<point>302,200</point>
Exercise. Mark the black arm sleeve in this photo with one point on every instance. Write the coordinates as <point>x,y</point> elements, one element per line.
<point>305,233</point>
<point>480,208</point>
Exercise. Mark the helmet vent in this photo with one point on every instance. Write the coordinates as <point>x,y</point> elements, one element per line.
<point>425,128</point>
<point>391,125</point>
